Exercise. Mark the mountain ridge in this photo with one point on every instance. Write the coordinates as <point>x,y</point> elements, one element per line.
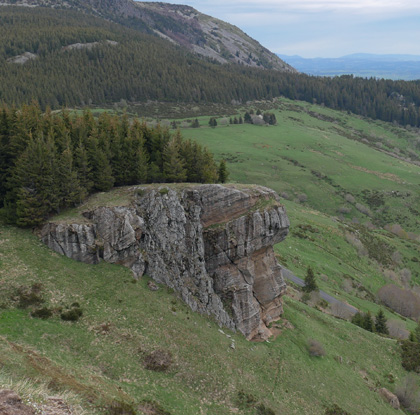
<point>182,25</point>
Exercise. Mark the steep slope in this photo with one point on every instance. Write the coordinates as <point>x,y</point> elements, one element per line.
<point>179,24</point>
<point>102,358</point>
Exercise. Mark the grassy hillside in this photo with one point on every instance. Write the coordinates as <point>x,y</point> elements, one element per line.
<point>98,363</point>
<point>99,359</point>
<point>326,155</point>
<point>343,180</point>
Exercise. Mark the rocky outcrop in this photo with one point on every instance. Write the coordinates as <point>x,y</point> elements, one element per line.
<point>212,244</point>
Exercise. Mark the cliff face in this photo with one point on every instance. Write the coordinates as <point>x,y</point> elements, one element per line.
<point>212,244</point>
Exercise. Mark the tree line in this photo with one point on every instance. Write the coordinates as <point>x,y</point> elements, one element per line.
<point>142,67</point>
<point>50,161</point>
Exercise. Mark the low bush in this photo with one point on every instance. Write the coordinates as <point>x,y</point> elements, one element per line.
<point>315,348</point>
<point>72,314</point>
<point>335,410</point>
<point>152,408</point>
<point>408,393</point>
<point>246,400</point>
<point>410,355</point>
<point>43,313</point>
<point>29,296</point>
<point>120,408</point>
<point>158,361</point>
<point>264,410</point>
<point>404,302</point>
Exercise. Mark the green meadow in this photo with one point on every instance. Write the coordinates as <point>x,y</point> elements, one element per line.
<point>342,180</point>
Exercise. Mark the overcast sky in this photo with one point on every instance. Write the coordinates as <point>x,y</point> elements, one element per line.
<point>323,28</point>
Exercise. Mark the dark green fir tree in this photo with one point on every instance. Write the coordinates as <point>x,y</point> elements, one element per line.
<point>310,281</point>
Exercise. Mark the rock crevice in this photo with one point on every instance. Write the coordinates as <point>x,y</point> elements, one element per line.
<point>212,244</point>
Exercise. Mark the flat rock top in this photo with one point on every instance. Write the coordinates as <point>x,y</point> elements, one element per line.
<point>220,203</point>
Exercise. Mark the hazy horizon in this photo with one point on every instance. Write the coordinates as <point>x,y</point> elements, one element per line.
<point>323,28</point>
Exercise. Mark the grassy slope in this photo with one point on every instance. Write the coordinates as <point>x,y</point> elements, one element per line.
<point>207,374</point>
<point>266,155</point>
<point>262,155</point>
<point>100,366</point>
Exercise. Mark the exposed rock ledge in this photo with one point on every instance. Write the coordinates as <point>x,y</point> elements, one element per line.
<point>212,244</point>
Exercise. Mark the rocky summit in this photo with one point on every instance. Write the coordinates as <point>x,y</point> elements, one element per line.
<point>212,244</point>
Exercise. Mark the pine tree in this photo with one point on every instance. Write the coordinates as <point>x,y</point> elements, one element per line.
<point>213,122</point>
<point>357,319</point>
<point>34,184</point>
<point>81,164</point>
<point>71,192</point>
<point>415,334</point>
<point>222,172</point>
<point>367,323</point>
<point>310,282</point>
<point>173,165</point>
<point>103,178</point>
<point>247,118</point>
<point>380,323</point>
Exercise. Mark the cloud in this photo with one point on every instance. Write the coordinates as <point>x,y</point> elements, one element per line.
<point>327,28</point>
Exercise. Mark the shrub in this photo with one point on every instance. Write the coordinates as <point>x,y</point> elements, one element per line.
<point>405,275</point>
<point>72,314</point>
<point>120,408</point>
<point>246,400</point>
<point>29,296</point>
<point>341,311</point>
<point>408,394</point>
<point>410,355</point>
<point>357,243</point>
<point>315,348</point>
<point>43,313</point>
<point>158,361</point>
<point>363,209</point>
<point>302,198</point>
<point>344,210</point>
<point>152,408</point>
<point>396,329</point>
<point>335,410</point>
<point>404,302</point>
<point>349,198</point>
<point>264,410</point>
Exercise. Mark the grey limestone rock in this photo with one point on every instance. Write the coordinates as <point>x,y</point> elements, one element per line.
<point>212,244</point>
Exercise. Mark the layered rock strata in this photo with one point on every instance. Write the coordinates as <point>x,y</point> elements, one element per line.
<point>212,244</point>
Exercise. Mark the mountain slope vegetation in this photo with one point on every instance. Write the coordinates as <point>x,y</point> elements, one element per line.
<point>182,25</point>
<point>101,360</point>
<point>66,57</point>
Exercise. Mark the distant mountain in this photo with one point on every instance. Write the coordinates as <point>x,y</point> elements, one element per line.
<point>181,25</point>
<point>101,52</point>
<point>405,67</point>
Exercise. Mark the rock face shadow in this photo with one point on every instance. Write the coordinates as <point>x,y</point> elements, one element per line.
<point>212,244</point>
